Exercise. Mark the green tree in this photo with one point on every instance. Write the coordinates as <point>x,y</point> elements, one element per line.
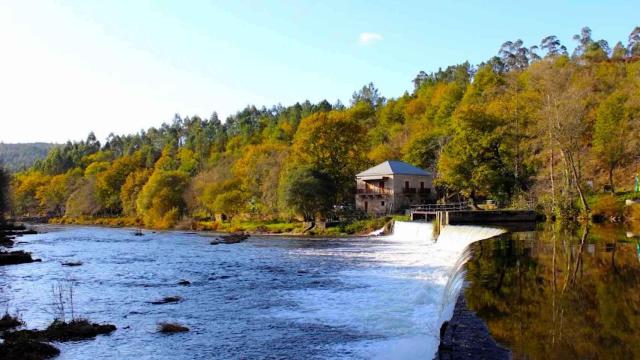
<point>229,203</point>
<point>309,192</point>
<point>475,161</point>
<point>634,42</point>
<point>611,133</point>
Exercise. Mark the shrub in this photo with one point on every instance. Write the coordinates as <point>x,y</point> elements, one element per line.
<point>9,322</point>
<point>633,213</point>
<point>607,207</point>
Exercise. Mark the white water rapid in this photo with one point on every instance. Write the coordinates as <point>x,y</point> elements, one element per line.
<point>402,290</point>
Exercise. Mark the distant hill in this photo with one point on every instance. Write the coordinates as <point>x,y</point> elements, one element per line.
<point>17,157</point>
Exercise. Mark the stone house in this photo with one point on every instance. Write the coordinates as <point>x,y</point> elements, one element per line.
<point>393,186</point>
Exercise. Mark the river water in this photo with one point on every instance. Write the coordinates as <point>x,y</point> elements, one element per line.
<point>559,293</point>
<point>269,297</point>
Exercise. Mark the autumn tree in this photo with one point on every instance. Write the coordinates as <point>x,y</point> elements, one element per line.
<point>53,196</point>
<point>160,201</point>
<point>109,182</point>
<point>334,144</point>
<point>258,171</point>
<point>131,189</point>
<point>83,200</point>
<point>5,181</point>
<point>25,187</point>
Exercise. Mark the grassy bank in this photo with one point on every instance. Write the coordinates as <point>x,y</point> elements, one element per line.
<point>614,207</point>
<point>358,227</point>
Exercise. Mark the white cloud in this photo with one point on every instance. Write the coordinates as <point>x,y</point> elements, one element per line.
<point>366,38</point>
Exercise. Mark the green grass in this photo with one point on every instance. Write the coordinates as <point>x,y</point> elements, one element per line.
<point>254,226</point>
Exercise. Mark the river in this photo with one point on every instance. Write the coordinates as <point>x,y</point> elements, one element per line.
<point>351,298</point>
<point>269,297</point>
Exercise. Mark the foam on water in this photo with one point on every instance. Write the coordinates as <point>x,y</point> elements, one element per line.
<point>401,293</point>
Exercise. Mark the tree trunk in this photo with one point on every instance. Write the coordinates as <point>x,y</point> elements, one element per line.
<point>552,180</point>
<point>611,180</point>
<point>472,196</point>
<point>574,172</point>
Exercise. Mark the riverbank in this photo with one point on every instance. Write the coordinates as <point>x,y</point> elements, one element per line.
<point>284,228</point>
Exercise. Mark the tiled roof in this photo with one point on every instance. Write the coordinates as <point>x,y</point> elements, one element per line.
<point>393,167</point>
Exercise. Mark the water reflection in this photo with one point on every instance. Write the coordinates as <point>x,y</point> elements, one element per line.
<point>557,293</point>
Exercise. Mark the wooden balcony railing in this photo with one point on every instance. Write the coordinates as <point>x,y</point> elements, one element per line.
<point>373,191</point>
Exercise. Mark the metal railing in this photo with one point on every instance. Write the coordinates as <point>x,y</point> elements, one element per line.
<point>441,207</point>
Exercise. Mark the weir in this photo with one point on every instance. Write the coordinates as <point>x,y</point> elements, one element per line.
<point>442,251</point>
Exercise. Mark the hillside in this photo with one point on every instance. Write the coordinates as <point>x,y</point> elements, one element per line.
<point>533,125</point>
<point>17,157</point>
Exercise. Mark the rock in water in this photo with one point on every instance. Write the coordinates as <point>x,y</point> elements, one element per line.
<point>15,257</point>
<point>234,238</point>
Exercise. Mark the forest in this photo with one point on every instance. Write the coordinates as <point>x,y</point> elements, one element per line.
<point>17,157</point>
<point>535,126</point>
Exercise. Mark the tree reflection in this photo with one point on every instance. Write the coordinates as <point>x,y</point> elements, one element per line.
<point>558,293</point>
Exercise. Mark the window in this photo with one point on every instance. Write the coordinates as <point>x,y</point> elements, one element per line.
<point>406,184</point>
<point>382,203</point>
<point>366,205</point>
<point>421,184</point>
<point>381,184</point>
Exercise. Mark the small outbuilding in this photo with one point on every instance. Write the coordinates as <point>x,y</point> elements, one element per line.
<point>392,186</point>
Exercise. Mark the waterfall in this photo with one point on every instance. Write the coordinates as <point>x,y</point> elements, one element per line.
<point>412,231</point>
<point>403,289</point>
<point>444,258</point>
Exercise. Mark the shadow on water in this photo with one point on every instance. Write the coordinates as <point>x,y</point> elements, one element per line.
<point>557,293</point>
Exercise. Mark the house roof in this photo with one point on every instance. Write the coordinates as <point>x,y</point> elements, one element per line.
<point>393,167</point>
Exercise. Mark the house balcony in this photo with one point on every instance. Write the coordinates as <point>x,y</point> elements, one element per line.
<point>374,191</point>
<point>409,191</point>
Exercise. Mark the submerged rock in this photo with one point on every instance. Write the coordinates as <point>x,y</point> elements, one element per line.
<point>184,282</point>
<point>72,263</point>
<point>6,241</point>
<point>32,344</point>
<point>230,239</point>
<point>80,329</point>
<point>171,328</point>
<point>167,300</point>
<point>25,349</point>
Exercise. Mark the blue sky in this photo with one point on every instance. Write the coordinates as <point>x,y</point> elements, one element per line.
<point>69,67</point>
